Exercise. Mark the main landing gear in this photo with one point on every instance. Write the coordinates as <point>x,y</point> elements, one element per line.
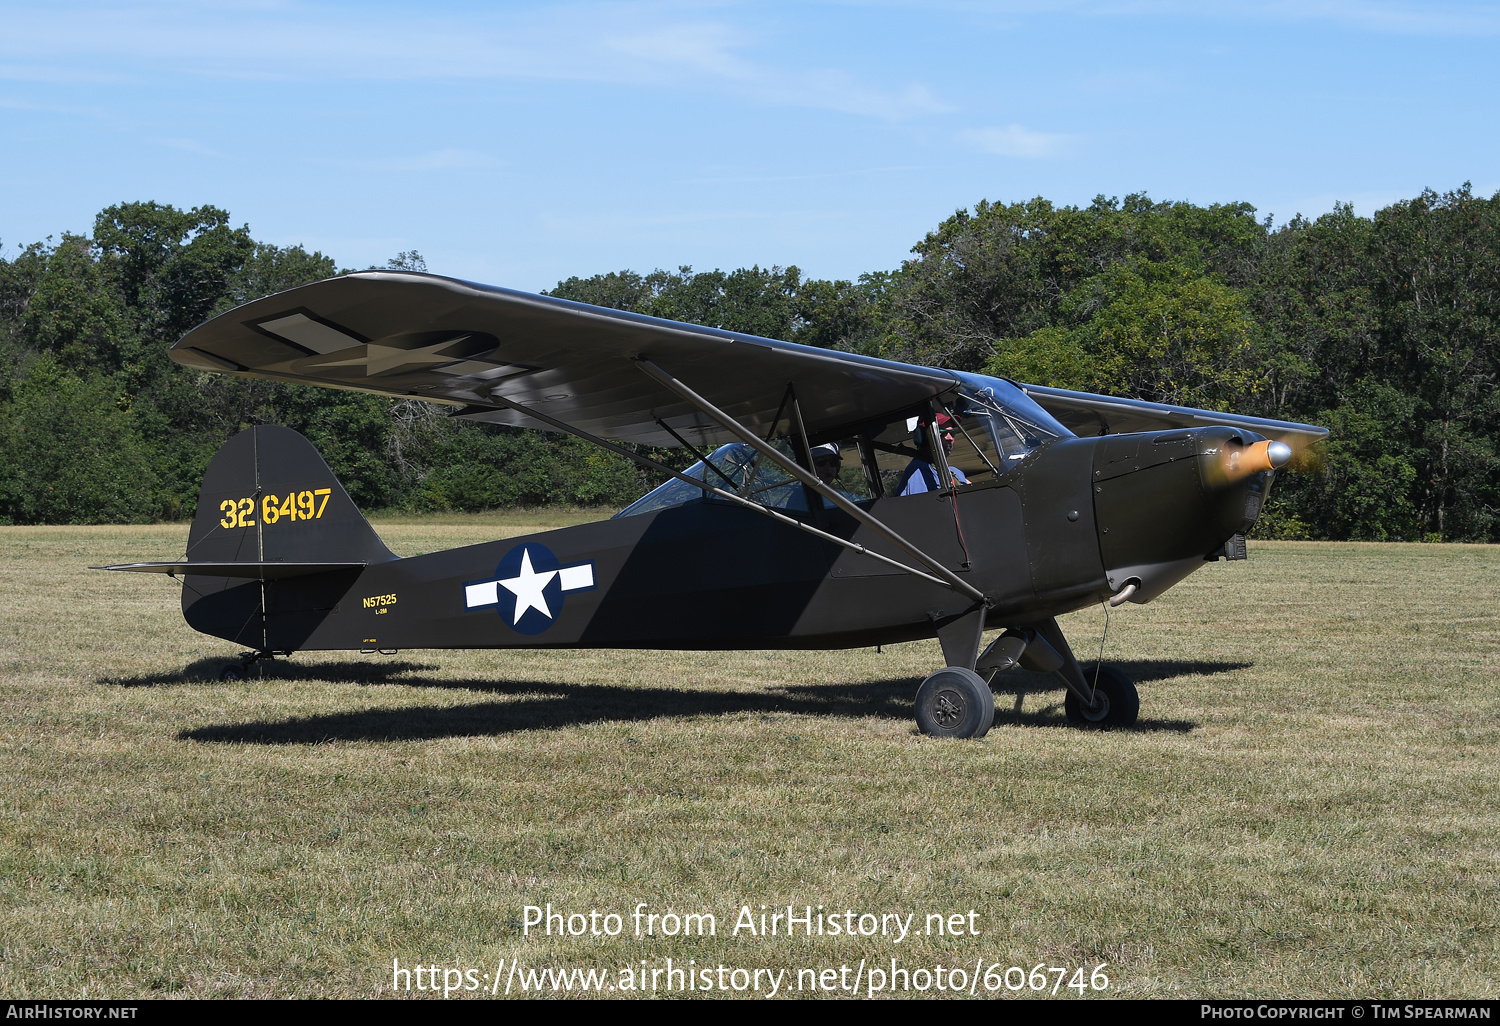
<point>1116,702</point>
<point>956,701</point>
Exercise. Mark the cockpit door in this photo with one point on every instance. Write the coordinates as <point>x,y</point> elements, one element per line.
<point>1062,543</point>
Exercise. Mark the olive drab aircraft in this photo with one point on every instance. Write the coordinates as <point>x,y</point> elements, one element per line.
<point>837,500</point>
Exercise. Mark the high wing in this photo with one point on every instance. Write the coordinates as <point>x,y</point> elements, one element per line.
<point>439,339</point>
<point>443,340</point>
<point>1085,413</point>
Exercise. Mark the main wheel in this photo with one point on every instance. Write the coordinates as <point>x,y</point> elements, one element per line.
<point>955,702</point>
<point>232,672</point>
<point>1116,701</point>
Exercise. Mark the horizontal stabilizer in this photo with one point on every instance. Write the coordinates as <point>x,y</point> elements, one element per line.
<point>255,571</point>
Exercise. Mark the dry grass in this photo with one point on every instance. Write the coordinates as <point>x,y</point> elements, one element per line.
<point>1308,808</point>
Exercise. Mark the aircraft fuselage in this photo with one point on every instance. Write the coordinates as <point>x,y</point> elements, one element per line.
<point>1071,524</point>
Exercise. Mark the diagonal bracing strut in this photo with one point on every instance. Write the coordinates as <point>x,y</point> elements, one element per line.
<point>812,481</point>
<point>646,461</point>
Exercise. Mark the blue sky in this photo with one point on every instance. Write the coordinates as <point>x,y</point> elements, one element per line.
<point>519,143</point>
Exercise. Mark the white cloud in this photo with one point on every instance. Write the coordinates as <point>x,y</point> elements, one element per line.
<point>1017,141</point>
<point>615,43</point>
<point>704,47</point>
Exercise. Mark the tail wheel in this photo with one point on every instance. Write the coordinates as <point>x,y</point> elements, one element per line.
<point>1116,701</point>
<point>955,702</point>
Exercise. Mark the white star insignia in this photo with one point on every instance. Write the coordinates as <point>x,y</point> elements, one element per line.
<point>377,359</point>
<point>527,588</point>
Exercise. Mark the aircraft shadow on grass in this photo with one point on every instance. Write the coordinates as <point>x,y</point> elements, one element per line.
<point>550,706</point>
<point>206,671</point>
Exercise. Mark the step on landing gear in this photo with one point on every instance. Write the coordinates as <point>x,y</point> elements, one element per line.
<point>240,670</point>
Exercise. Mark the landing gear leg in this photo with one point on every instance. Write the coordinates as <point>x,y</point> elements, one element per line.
<point>961,638</point>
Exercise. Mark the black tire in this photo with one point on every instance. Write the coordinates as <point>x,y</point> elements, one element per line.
<point>1119,702</point>
<point>955,702</point>
<point>232,672</point>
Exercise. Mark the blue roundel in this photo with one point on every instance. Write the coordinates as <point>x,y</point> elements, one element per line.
<point>528,587</point>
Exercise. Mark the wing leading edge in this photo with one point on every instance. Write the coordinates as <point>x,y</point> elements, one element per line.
<point>440,339</point>
<point>1085,413</point>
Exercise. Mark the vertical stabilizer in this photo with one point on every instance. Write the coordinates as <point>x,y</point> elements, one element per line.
<point>269,497</point>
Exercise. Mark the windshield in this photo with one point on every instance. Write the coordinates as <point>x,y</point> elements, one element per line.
<point>1013,421</point>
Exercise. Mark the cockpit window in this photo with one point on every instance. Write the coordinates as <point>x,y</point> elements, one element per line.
<point>744,470</point>
<point>994,425</point>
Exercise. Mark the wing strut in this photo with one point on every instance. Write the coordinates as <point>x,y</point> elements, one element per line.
<point>812,481</point>
<point>646,461</point>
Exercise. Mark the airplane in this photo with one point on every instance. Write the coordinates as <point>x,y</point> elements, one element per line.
<point>836,501</point>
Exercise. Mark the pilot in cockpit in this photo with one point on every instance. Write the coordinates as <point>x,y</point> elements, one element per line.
<point>827,462</point>
<point>920,475</point>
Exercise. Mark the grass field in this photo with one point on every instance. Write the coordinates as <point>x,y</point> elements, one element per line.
<point>1308,808</point>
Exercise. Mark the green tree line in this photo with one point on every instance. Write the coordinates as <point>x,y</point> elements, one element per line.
<point>1383,329</point>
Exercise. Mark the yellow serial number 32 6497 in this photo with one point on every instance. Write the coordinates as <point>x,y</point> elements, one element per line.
<point>305,505</point>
